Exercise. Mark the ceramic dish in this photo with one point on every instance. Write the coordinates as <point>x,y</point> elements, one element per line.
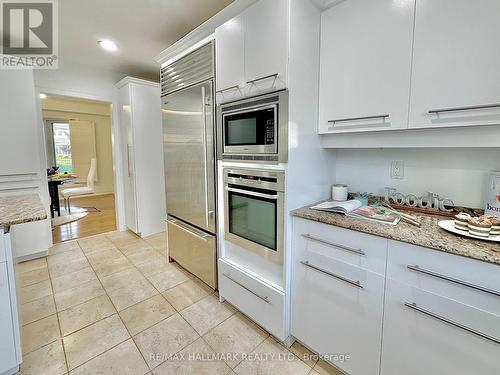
<point>449,225</point>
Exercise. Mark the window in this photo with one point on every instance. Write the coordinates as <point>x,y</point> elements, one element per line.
<point>62,147</point>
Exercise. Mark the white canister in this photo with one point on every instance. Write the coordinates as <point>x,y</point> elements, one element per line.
<point>339,192</point>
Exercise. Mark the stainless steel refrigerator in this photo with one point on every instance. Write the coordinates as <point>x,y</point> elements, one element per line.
<point>189,153</point>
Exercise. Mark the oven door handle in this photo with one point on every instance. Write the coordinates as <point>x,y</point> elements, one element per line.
<point>253,193</point>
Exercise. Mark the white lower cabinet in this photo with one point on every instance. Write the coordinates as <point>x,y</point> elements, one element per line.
<point>258,300</point>
<point>337,307</point>
<point>428,334</point>
<point>426,312</point>
<point>442,314</point>
<point>10,346</point>
<point>7,347</point>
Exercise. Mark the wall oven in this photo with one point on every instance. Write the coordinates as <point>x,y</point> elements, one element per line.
<point>254,210</point>
<point>254,129</point>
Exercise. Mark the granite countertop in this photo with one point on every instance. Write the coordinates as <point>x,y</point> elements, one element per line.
<point>429,234</point>
<point>19,209</point>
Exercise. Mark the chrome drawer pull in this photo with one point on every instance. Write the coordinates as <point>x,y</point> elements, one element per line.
<point>333,244</point>
<point>352,282</point>
<point>469,108</point>
<point>275,75</point>
<point>414,306</point>
<point>228,88</point>
<point>358,118</point>
<point>417,268</point>
<point>179,225</point>
<point>265,298</point>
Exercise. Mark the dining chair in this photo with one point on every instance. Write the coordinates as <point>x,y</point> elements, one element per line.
<point>82,190</point>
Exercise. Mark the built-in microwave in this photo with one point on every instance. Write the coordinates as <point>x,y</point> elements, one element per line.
<point>254,129</point>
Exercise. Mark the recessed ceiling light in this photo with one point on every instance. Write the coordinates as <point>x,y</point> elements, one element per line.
<point>43,96</point>
<point>108,45</point>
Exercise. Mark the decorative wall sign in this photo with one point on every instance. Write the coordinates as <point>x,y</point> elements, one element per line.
<point>431,201</point>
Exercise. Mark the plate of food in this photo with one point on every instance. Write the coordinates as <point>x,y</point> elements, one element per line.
<point>482,227</point>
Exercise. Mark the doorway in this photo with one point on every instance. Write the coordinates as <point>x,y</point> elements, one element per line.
<point>80,170</point>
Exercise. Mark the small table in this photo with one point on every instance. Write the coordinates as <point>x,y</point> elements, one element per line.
<point>54,183</point>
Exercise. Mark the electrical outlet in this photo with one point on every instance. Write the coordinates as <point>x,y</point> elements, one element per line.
<point>397,169</point>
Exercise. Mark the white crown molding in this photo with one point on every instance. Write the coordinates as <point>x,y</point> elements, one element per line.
<point>202,33</point>
<point>139,81</point>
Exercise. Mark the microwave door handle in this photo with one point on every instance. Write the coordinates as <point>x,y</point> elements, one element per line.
<point>205,166</point>
<point>252,193</point>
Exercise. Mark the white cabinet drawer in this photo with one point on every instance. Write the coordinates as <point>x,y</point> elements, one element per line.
<point>359,249</point>
<point>468,281</point>
<point>337,310</point>
<point>435,335</point>
<point>259,301</point>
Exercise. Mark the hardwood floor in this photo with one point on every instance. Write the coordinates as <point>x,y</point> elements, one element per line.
<point>93,223</point>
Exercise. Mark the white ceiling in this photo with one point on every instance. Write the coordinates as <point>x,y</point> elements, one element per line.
<point>141,28</point>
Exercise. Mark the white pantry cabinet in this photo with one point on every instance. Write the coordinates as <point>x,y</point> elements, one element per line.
<point>252,51</point>
<point>365,63</point>
<point>141,123</point>
<point>456,56</point>
<point>337,307</point>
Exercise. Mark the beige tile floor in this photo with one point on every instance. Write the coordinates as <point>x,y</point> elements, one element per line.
<point>110,304</point>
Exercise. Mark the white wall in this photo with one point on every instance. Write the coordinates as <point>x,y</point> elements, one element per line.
<point>456,173</point>
<point>22,157</point>
<point>310,168</point>
<point>95,85</point>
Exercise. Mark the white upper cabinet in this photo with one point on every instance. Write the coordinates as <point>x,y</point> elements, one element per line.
<point>365,63</point>
<point>455,64</point>
<point>230,68</point>
<point>266,41</point>
<point>252,51</point>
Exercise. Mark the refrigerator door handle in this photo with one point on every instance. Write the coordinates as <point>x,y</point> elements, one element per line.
<point>205,166</point>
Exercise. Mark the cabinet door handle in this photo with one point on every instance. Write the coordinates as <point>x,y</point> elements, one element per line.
<point>469,108</point>
<point>228,88</point>
<point>265,298</point>
<point>357,118</point>
<point>178,224</point>
<point>129,165</point>
<point>333,244</point>
<point>414,306</point>
<point>419,269</point>
<point>275,75</point>
<point>349,281</point>
<point>253,193</point>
